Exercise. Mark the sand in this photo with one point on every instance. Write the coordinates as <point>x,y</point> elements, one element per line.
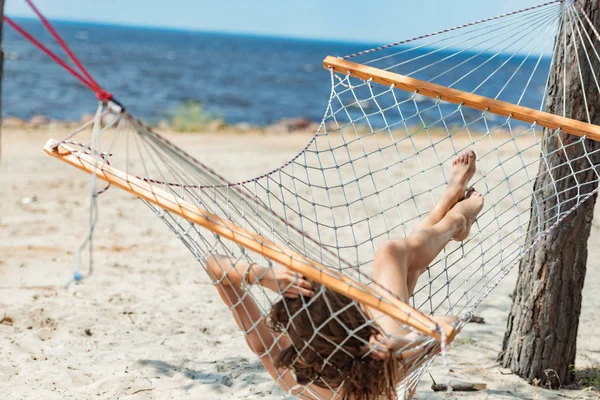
<point>148,324</point>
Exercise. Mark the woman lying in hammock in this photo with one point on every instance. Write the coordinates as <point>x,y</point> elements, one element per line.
<point>342,361</point>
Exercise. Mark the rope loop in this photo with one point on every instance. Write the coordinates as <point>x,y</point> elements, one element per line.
<point>104,96</point>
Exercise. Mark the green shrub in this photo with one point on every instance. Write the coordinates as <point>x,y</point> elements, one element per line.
<point>191,117</point>
<point>589,377</point>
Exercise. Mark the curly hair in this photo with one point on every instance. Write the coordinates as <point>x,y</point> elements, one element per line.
<point>339,340</point>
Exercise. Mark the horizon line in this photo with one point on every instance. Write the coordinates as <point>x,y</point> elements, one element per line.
<point>200,30</point>
<point>367,45</point>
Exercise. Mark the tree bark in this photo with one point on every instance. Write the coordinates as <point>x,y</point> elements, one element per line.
<point>540,340</point>
<point>1,69</point>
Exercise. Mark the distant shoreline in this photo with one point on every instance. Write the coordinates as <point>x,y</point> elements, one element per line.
<point>285,125</point>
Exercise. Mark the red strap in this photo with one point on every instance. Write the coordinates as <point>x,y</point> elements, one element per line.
<point>48,52</point>
<point>62,43</point>
<point>83,75</point>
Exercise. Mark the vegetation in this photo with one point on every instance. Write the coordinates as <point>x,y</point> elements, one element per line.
<point>192,117</point>
<point>589,377</point>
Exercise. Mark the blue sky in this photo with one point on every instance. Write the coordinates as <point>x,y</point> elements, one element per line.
<point>381,21</point>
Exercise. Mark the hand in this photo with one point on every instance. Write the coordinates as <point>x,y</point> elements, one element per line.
<point>381,347</point>
<point>281,280</point>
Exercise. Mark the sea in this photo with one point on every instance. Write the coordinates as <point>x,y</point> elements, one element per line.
<point>154,72</point>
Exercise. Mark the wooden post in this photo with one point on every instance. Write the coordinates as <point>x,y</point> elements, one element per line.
<point>384,302</point>
<point>541,334</point>
<point>477,102</point>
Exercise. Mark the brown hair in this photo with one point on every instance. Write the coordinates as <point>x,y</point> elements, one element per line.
<point>343,330</point>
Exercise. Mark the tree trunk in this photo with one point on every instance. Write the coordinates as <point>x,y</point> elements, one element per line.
<point>1,69</point>
<point>540,340</point>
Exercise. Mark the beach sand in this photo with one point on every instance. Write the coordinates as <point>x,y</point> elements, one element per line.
<point>148,324</point>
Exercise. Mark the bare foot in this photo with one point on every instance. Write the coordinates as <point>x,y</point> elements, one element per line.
<point>445,319</point>
<point>462,171</point>
<point>465,212</point>
<point>403,341</point>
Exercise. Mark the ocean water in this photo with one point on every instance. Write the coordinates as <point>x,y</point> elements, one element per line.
<point>153,72</point>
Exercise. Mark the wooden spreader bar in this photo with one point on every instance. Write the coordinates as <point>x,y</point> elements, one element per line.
<point>385,303</point>
<point>470,100</point>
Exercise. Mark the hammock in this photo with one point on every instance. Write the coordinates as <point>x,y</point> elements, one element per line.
<point>396,117</point>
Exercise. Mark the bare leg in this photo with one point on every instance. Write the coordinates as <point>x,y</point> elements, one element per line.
<point>396,259</point>
<point>399,263</point>
<point>395,256</point>
<point>427,243</point>
<point>461,172</point>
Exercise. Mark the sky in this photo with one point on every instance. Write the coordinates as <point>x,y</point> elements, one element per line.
<point>374,21</point>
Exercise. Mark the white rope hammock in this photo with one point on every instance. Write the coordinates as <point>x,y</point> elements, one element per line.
<point>376,166</point>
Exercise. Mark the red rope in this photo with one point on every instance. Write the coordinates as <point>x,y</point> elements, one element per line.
<point>62,43</point>
<point>48,52</point>
<point>83,75</point>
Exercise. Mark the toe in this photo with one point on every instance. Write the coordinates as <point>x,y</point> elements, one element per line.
<point>470,156</point>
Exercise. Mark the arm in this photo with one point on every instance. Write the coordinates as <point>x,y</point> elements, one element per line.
<point>228,276</point>
<point>278,279</point>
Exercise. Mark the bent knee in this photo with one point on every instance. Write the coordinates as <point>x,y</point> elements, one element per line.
<point>392,251</point>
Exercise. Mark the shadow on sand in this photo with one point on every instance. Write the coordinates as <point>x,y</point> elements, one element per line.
<point>216,373</point>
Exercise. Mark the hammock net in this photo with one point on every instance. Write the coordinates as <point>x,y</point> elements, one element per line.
<point>376,165</point>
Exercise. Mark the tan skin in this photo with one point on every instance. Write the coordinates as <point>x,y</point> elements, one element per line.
<point>397,266</point>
